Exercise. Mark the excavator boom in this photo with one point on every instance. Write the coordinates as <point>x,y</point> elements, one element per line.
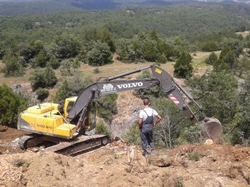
<point>161,78</point>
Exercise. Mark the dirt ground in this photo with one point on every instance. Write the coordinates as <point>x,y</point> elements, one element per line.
<point>187,165</point>
<point>7,140</point>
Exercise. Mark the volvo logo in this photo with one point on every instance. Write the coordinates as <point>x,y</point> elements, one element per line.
<point>130,85</point>
<point>108,88</point>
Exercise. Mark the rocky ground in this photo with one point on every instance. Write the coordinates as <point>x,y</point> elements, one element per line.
<point>187,165</point>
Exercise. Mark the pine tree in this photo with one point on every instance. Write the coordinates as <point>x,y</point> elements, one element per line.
<point>50,77</point>
<point>63,92</point>
<point>183,67</point>
<point>54,62</point>
<point>211,59</point>
<point>12,66</point>
<point>11,105</point>
<point>105,37</point>
<point>41,59</point>
<point>99,55</point>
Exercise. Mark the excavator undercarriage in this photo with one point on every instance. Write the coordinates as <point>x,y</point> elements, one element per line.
<point>78,145</point>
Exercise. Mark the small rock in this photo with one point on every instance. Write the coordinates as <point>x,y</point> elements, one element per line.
<point>35,150</point>
<point>209,142</point>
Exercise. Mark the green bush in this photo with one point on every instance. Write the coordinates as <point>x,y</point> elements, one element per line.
<point>217,93</point>
<point>65,68</point>
<point>11,105</point>
<point>178,182</point>
<point>107,107</point>
<point>99,55</point>
<point>211,59</point>
<point>42,94</point>
<point>72,87</point>
<point>13,67</point>
<point>183,67</point>
<point>194,156</point>
<point>161,59</point>
<point>101,128</point>
<point>133,135</point>
<point>54,62</point>
<point>66,47</point>
<point>96,71</point>
<point>148,92</point>
<point>41,59</point>
<point>43,78</point>
<point>63,92</point>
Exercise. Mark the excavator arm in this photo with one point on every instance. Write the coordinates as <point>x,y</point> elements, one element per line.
<point>160,78</point>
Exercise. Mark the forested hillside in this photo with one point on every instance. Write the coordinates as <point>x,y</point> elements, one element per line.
<point>176,20</point>
<point>24,7</point>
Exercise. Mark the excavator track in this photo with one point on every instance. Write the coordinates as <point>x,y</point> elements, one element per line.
<point>79,145</point>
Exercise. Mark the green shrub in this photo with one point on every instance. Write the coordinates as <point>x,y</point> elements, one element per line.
<point>54,62</point>
<point>41,59</point>
<point>63,92</point>
<point>43,78</point>
<point>13,67</point>
<point>162,59</point>
<point>179,182</point>
<point>211,59</point>
<point>42,94</point>
<point>19,162</point>
<point>11,105</point>
<point>194,156</point>
<point>133,135</point>
<point>107,107</point>
<point>99,55</point>
<point>96,70</point>
<point>66,46</point>
<point>183,67</point>
<point>153,91</point>
<point>101,128</point>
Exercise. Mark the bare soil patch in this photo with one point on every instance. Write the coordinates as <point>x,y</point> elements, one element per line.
<point>7,138</point>
<point>244,34</point>
<point>214,165</point>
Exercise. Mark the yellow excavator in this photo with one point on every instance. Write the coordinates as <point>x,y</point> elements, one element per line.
<point>63,127</point>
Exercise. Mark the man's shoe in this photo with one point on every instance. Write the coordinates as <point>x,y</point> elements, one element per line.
<point>153,153</point>
<point>145,154</point>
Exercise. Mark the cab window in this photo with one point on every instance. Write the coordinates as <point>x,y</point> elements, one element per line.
<point>70,106</point>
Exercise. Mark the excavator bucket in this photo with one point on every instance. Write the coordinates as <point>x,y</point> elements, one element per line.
<point>212,128</point>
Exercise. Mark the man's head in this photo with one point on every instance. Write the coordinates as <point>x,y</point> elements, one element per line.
<point>146,101</point>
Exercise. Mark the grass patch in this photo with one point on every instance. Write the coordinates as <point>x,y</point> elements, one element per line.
<point>20,163</point>
<point>179,182</point>
<point>194,156</point>
<point>101,128</point>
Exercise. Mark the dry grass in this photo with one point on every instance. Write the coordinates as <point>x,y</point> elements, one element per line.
<point>88,71</point>
<point>110,69</point>
<point>199,59</point>
<point>244,34</point>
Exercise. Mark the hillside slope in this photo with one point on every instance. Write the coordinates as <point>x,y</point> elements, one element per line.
<point>187,165</point>
<point>177,20</point>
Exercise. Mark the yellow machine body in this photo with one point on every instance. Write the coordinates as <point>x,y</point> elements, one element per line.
<point>47,120</point>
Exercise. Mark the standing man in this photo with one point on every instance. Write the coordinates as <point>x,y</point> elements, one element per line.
<point>146,125</point>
